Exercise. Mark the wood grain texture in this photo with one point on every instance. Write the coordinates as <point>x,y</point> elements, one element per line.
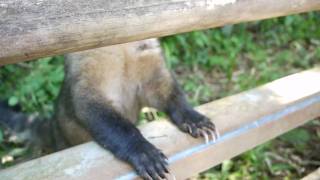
<point>31,29</point>
<point>244,120</point>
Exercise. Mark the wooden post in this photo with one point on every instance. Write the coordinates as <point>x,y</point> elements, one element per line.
<point>244,120</point>
<point>32,29</point>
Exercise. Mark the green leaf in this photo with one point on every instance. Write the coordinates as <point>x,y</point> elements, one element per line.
<point>297,136</point>
<point>227,165</point>
<point>13,100</point>
<point>1,136</point>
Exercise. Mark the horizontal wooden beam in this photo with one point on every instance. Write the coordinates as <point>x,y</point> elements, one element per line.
<point>32,29</point>
<point>245,120</point>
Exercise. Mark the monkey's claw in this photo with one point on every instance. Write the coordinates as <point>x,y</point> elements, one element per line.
<point>149,162</point>
<point>196,125</point>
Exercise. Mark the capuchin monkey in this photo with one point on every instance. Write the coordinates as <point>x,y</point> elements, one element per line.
<point>103,92</point>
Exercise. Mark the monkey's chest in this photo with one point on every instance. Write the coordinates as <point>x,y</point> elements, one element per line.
<point>124,98</point>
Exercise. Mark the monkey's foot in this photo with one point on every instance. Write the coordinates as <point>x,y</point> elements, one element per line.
<point>196,125</point>
<point>148,161</point>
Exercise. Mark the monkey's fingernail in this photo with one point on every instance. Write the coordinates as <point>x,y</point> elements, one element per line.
<point>213,136</point>
<point>218,134</point>
<point>205,135</point>
<point>189,129</point>
<point>166,170</point>
<point>169,175</point>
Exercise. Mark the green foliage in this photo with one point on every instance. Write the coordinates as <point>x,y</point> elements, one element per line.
<point>34,85</point>
<point>250,165</point>
<point>238,57</point>
<point>1,136</point>
<point>298,138</point>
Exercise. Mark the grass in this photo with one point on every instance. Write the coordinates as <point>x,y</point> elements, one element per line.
<point>238,57</point>
<point>210,64</point>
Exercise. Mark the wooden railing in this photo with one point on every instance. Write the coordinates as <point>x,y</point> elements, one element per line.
<point>245,121</point>
<point>31,29</point>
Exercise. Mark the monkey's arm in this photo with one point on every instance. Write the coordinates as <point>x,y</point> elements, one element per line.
<point>124,140</point>
<point>163,93</point>
<point>186,118</point>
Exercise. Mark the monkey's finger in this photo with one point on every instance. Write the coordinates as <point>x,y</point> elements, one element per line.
<point>160,163</point>
<point>164,163</point>
<point>189,128</point>
<point>161,170</point>
<point>192,129</point>
<point>210,125</point>
<point>185,128</point>
<point>209,133</point>
<point>152,172</point>
<point>215,131</point>
<point>169,176</point>
<point>196,130</point>
<point>213,135</point>
<point>206,124</point>
<point>165,168</point>
<point>143,173</point>
<point>144,170</point>
<point>206,121</point>
<point>164,157</point>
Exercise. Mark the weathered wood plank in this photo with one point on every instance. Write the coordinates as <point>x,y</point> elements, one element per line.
<point>245,120</point>
<point>31,29</point>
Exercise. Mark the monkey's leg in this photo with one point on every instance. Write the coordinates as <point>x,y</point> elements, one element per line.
<point>174,104</point>
<point>115,133</point>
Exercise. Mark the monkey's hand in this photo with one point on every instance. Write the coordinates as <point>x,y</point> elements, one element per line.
<point>148,161</point>
<point>194,123</point>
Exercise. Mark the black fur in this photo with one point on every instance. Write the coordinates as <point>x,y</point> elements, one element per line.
<point>34,132</point>
<point>124,140</point>
<point>184,116</point>
<point>12,119</point>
